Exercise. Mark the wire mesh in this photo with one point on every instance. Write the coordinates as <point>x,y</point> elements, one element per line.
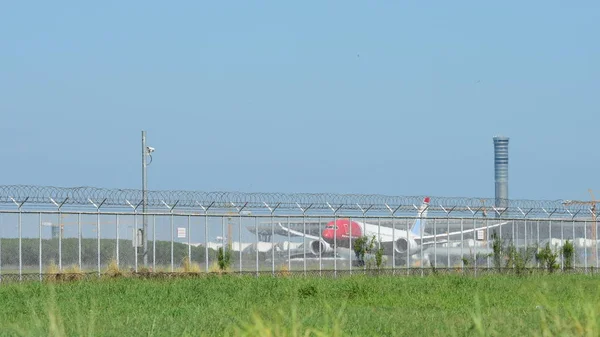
<point>49,233</point>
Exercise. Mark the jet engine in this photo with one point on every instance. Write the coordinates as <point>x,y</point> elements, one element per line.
<point>403,245</point>
<point>321,247</point>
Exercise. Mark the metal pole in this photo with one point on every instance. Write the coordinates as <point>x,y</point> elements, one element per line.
<point>135,241</point>
<point>517,238</point>
<point>421,229</point>
<point>189,234</point>
<point>365,236</point>
<point>549,230</point>
<point>407,248</point>
<point>537,224</point>
<point>60,234</point>
<point>256,240</point>
<point>487,241</point>
<point>20,249</point>
<point>513,233</point>
<point>303,241</point>
<point>573,237</point>
<point>562,240</point>
<point>393,248</point>
<point>525,236</point>
<point>206,242</point>
<point>1,235</point>
<point>154,243</point>
<point>378,235</point>
<point>172,244</point>
<point>144,200</point>
<point>320,250</point>
<point>289,244</point>
<point>350,245</point>
<point>434,243</point>
<point>117,243</point>
<point>272,246</point>
<point>585,257</point>
<point>334,244</point>
<point>462,245</point>
<point>596,244</point>
<point>573,229</point>
<point>79,240</point>
<point>40,248</point>
<point>240,241</point>
<point>474,247</point>
<point>98,236</point>
<point>448,242</point>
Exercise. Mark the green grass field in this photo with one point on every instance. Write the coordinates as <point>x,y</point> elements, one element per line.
<point>348,306</point>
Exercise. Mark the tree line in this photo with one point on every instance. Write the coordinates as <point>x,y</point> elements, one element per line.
<point>9,251</point>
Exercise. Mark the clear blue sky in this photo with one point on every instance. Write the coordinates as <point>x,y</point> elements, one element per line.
<point>398,98</point>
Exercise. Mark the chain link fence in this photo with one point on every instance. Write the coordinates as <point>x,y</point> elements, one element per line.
<point>49,233</point>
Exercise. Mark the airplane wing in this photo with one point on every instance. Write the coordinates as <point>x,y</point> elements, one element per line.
<point>296,233</point>
<point>388,244</point>
<point>447,236</point>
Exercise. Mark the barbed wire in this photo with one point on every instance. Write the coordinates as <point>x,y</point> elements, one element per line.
<point>269,201</point>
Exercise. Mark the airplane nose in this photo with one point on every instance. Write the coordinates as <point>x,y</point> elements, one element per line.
<point>328,235</point>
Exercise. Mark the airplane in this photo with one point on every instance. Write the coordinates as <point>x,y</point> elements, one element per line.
<point>401,243</point>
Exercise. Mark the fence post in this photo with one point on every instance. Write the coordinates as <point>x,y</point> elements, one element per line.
<point>474,213</point>
<point>421,234</point>
<point>585,256</point>
<point>172,232</point>
<point>134,237</point>
<point>320,250</point>
<point>448,235</point>
<point>189,237</point>
<point>525,233</point>
<point>364,216</point>
<point>462,246</point>
<point>40,247</point>
<point>116,243</point>
<point>205,209</point>
<point>393,213</point>
<point>60,230</point>
<point>153,242</point>
<point>98,230</point>
<point>272,210</point>
<point>20,205</point>
<point>303,210</point>
<point>1,235</point>
<point>239,210</point>
<point>334,237</point>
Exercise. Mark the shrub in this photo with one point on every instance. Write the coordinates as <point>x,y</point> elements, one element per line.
<point>547,257</point>
<point>498,252</point>
<point>519,258</point>
<point>568,253</point>
<point>223,258</point>
<point>364,246</point>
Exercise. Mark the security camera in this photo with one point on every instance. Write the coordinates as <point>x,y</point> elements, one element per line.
<point>150,149</point>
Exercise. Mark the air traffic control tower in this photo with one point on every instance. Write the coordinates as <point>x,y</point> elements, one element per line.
<point>501,170</point>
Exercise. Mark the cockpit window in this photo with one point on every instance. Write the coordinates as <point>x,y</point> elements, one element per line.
<point>332,227</point>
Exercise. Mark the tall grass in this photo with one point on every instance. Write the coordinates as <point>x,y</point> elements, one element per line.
<point>188,266</point>
<point>560,304</point>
